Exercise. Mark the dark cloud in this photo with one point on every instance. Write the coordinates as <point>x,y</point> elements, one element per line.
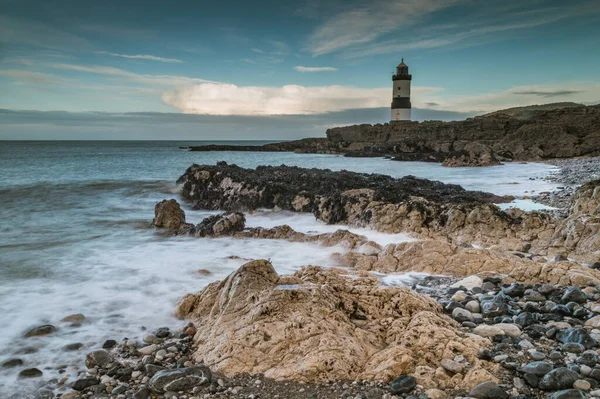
<point>59,125</point>
<point>432,104</point>
<point>548,94</point>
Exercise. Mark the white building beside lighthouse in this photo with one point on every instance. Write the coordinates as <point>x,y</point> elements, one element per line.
<point>401,93</point>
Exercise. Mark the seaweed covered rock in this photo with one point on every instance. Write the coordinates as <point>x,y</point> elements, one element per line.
<point>321,324</point>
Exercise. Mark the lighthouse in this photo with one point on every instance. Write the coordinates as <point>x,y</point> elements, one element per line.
<point>401,93</point>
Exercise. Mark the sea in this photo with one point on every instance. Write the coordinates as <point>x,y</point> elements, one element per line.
<point>75,237</point>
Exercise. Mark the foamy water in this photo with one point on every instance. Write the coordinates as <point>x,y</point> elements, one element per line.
<point>75,238</point>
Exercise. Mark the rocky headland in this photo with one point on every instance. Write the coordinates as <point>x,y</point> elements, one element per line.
<point>551,131</point>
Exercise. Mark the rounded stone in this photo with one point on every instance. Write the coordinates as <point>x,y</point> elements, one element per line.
<point>488,390</point>
<point>30,373</point>
<point>558,379</point>
<point>582,384</point>
<point>403,384</point>
<point>40,331</point>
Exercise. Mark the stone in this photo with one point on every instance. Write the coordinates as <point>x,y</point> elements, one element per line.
<point>152,369</point>
<point>558,379</point>
<point>568,394</point>
<point>539,369</point>
<point>403,384</point>
<point>452,366</point>
<point>148,350</point>
<point>40,331</point>
<point>594,322</point>
<point>572,347</point>
<point>30,373</point>
<point>225,224</point>
<point>10,363</point>
<point>588,358</point>
<point>97,358</point>
<point>576,335</point>
<point>469,283</point>
<point>461,315</point>
<point>73,347</point>
<point>182,379</point>
<point>582,384</point>
<point>163,332</point>
<point>512,330</point>
<point>488,331</point>
<point>488,390</point>
<point>514,290</point>
<point>574,294</point>
<point>459,296</point>
<point>142,393</point>
<point>473,307</point>
<point>83,383</point>
<point>109,343</point>
<point>74,318</point>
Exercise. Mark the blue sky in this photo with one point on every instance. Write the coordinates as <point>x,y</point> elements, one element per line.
<point>322,58</point>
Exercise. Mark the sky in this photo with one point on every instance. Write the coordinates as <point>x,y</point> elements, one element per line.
<point>281,70</point>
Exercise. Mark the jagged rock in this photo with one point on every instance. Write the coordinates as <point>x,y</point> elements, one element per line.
<point>169,215</point>
<point>97,358</point>
<point>323,325</point>
<point>473,154</point>
<point>221,225</point>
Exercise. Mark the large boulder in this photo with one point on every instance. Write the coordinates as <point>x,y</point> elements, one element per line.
<point>169,215</point>
<point>321,324</point>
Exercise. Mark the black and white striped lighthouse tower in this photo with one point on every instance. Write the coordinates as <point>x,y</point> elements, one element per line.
<point>401,93</point>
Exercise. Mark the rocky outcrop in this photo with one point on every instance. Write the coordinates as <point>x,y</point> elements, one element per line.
<point>169,215</point>
<point>224,224</point>
<point>320,325</point>
<point>528,134</point>
<point>579,233</point>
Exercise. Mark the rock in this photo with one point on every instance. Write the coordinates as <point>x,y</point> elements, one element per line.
<point>163,332</point>
<point>10,363</point>
<point>488,390</point>
<point>97,358</point>
<point>148,350</point>
<point>539,369</point>
<point>582,384</point>
<point>83,383</point>
<point>403,384</point>
<point>224,224</point>
<point>327,304</point>
<point>182,379</point>
<point>40,331</point>
<point>514,290</point>
<point>594,322</point>
<point>461,315</point>
<point>73,347</point>
<point>30,373</point>
<point>574,294</point>
<point>74,318</point>
<point>572,347</point>
<point>469,283</point>
<point>473,307</point>
<point>452,366</point>
<point>512,330</point>
<point>568,394</point>
<point>152,369</point>
<point>576,335</point>
<point>109,343</point>
<point>169,215</point>
<point>558,379</point>
<point>488,331</point>
<point>459,296</point>
<point>142,393</point>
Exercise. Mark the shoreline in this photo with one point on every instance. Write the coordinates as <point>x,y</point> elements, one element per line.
<point>247,384</point>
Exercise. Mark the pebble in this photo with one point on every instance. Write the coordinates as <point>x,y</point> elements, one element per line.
<point>488,390</point>
<point>403,384</point>
<point>148,350</point>
<point>582,384</point>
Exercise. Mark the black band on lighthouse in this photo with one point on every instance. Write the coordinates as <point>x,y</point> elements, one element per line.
<point>401,102</point>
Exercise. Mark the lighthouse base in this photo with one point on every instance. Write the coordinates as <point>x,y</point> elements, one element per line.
<point>400,114</point>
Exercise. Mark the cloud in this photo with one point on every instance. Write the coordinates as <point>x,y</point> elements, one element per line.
<point>580,92</point>
<point>143,57</point>
<point>161,80</point>
<point>30,77</point>
<point>314,69</point>
<point>256,50</point>
<point>229,99</point>
<point>432,104</point>
<point>368,22</point>
<point>386,26</point>
<point>548,94</point>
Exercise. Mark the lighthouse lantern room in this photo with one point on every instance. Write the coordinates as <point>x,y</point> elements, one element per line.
<point>401,93</point>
